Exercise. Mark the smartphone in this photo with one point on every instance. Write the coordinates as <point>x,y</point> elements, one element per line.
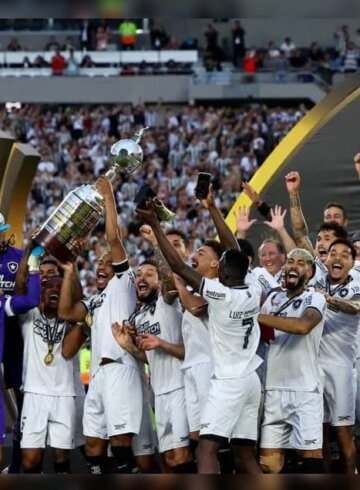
<point>202,185</point>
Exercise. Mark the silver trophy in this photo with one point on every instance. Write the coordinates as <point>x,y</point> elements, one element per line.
<point>83,208</point>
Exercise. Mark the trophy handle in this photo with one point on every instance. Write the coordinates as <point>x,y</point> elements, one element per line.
<point>137,136</point>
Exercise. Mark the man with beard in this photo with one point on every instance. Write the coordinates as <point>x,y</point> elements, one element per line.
<point>338,347</point>
<point>327,232</point>
<point>157,325</point>
<point>231,409</point>
<point>293,408</point>
<point>113,404</point>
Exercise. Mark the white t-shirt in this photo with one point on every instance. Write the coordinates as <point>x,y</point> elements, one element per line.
<point>118,305</point>
<point>320,274</point>
<point>57,378</point>
<point>234,330</point>
<point>339,343</point>
<point>164,321</point>
<point>293,360</point>
<point>195,332</point>
<point>267,281</point>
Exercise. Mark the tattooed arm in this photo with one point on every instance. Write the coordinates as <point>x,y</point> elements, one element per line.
<point>168,288</point>
<point>349,306</point>
<point>300,229</point>
<point>298,326</point>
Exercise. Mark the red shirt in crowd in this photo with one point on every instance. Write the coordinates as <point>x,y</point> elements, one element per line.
<point>58,64</point>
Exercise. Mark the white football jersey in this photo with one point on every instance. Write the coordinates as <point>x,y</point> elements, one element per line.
<point>164,321</point>
<point>234,330</point>
<point>56,378</point>
<point>118,305</point>
<point>339,343</point>
<point>92,306</point>
<point>293,360</point>
<point>267,281</point>
<point>195,332</point>
<point>320,274</point>
<point>355,271</point>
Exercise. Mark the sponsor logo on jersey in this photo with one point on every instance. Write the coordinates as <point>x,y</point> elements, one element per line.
<point>215,295</point>
<point>4,284</point>
<point>13,267</point>
<point>154,328</point>
<point>120,426</point>
<point>41,328</point>
<point>342,418</point>
<point>204,426</point>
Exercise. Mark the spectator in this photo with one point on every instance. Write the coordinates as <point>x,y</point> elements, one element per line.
<point>85,36</point>
<point>342,38</point>
<point>127,70</point>
<point>52,44</point>
<point>351,59</point>
<point>14,45</point>
<point>27,62</point>
<point>69,44</point>
<point>287,47</point>
<point>250,65</point>
<point>316,54</point>
<point>58,63</point>
<point>127,33</point>
<point>272,50</point>
<point>281,67</point>
<point>173,43</point>
<point>211,36</point>
<point>87,62</point>
<point>297,59</point>
<point>238,43</point>
<point>39,62</point>
<point>102,38</point>
<point>72,66</point>
<point>159,38</point>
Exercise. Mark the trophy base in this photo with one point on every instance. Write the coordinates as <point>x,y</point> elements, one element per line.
<point>54,247</point>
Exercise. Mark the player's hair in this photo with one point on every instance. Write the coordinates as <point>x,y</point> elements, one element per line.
<point>336,205</point>
<point>347,243</point>
<point>280,247</point>
<point>215,246</point>
<point>236,264</point>
<point>51,261</point>
<point>150,262</point>
<point>181,234</point>
<point>339,231</point>
<point>246,247</point>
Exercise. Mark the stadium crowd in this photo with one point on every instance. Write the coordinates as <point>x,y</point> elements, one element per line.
<point>74,145</point>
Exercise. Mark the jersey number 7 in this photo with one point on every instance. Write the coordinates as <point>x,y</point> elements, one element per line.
<point>250,322</point>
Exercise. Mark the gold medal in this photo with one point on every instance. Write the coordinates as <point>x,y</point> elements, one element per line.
<point>89,320</point>
<point>49,358</point>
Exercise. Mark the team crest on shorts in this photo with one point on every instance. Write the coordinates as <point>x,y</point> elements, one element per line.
<point>13,267</point>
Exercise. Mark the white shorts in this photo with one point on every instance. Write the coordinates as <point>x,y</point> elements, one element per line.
<point>232,408</point>
<point>171,422</point>
<point>79,413</point>
<point>197,384</point>
<point>113,404</point>
<point>145,442</point>
<point>292,420</point>
<point>48,419</point>
<point>357,402</point>
<point>339,395</point>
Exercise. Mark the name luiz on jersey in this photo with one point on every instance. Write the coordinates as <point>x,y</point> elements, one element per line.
<point>236,315</point>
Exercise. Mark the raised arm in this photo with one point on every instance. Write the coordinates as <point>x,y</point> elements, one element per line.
<point>196,305</point>
<point>300,230</point>
<point>357,164</point>
<point>262,207</point>
<point>168,288</point>
<point>74,339</point>
<point>277,224</point>
<point>70,308</point>
<point>297,326</point>
<point>174,260</point>
<point>226,236</point>
<point>21,275</point>
<point>118,252</point>
<point>243,222</point>
<point>20,304</point>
